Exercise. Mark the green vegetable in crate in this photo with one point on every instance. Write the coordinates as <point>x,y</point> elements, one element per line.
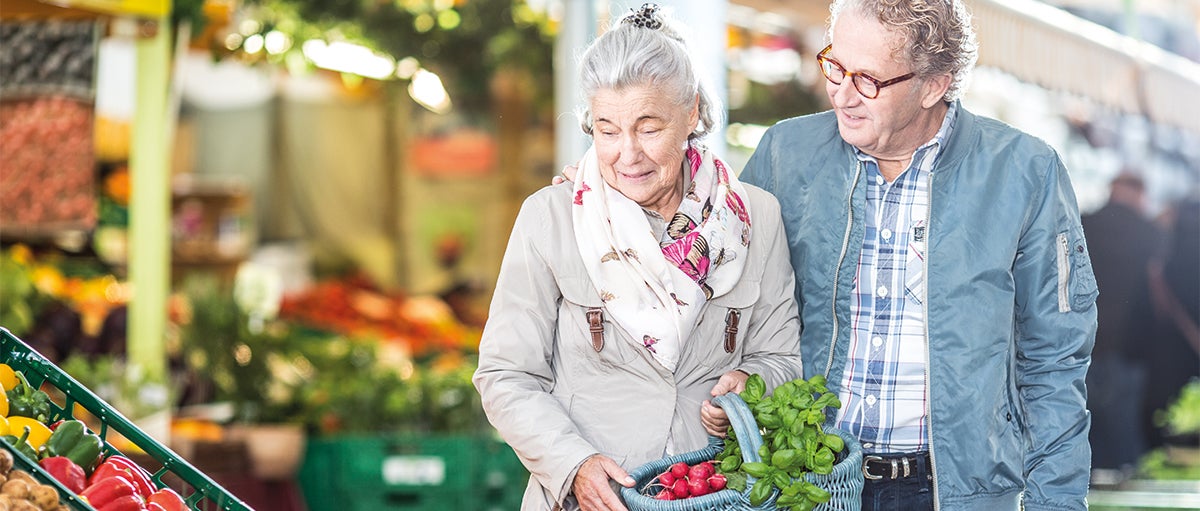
<point>72,440</point>
<point>66,472</point>
<point>21,444</point>
<point>26,401</point>
<point>794,443</point>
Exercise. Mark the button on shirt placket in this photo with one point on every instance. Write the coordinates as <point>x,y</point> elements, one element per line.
<point>882,347</point>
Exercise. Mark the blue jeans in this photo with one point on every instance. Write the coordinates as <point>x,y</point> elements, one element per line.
<point>912,493</point>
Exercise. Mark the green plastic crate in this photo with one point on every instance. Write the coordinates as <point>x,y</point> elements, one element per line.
<point>202,495</point>
<point>410,472</point>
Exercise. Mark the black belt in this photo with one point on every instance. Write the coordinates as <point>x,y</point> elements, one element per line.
<point>894,467</point>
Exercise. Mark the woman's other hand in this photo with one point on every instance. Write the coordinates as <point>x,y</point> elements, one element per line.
<point>568,174</point>
<point>591,484</point>
<point>716,423</point>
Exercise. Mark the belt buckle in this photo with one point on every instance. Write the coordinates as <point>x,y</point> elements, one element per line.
<point>866,470</point>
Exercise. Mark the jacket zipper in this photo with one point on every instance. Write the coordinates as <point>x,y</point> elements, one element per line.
<point>928,366</point>
<point>841,257</point>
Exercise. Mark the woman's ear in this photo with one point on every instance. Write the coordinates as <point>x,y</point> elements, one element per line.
<point>694,116</point>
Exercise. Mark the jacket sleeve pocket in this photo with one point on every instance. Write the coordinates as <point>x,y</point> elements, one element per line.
<point>1077,288</point>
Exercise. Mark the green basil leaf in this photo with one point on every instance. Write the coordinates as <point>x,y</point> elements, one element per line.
<point>788,501</point>
<point>760,492</point>
<point>755,388</point>
<point>817,381</point>
<point>834,442</point>
<point>824,400</point>
<point>781,480</point>
<point>796,488</point>
<point>730,464</point>
<point>804,505</point>
<point>803,400</point>
<point>736,481</point>
<point>769,420</point>
<point>817,494</point>
<point>756,469</point>
<point>785,459</point>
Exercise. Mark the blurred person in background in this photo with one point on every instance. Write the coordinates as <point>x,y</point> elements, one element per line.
<point>1123,240</point>
<point>1173,350</point>
<point>941,271</point>
<point>630,297</point>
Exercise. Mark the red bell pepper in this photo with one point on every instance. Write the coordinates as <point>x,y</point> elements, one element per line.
<point>66,472</point>
<point>153,506</point>
<point>117,465</point>
<point>168,500</point>
<point>126,503</point>
<point>113,493</point>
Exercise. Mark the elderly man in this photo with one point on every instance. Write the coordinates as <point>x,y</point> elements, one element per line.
<point>942,276</point>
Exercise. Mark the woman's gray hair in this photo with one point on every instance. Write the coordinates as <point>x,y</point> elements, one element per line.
<point>935,36</point>
<point>633,53</point>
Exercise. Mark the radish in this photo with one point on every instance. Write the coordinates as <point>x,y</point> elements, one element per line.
<point>717,482</point>
<point>666,479</point>
<point>679,470</point>
<point>665,495</point>
<point>680,489</point>
<point>698,487</point>
<point>701,470</point>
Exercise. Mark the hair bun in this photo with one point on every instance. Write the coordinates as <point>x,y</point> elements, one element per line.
<point>646,17</point>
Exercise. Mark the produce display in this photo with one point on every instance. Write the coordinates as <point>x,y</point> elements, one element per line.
<point>353,306</point>
<point>71,454</point>
<point>19,490</point>
<point>47,181</point>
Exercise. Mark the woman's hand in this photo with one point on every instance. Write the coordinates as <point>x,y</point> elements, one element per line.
<point>568,174</point>
<point>591,484</point>
<point>715,421</point>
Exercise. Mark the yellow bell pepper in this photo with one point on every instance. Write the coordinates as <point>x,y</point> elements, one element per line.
<point>38,432</point>
<point>3,426</point>
<point>8,377</point>
<point>3,405</point>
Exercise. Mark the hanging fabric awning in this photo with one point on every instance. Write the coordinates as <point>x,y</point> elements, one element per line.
<point>1050,47</point>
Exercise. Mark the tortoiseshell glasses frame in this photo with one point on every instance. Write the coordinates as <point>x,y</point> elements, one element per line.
<point>865,84</point>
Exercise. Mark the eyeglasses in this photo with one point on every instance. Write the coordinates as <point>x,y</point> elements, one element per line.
<point>866,85</point>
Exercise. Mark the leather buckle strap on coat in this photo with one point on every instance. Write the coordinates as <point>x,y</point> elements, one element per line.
<point>731,329</point>
<point>595,319</point>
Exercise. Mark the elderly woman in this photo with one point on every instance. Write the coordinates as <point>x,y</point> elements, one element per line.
<point>628,298</point>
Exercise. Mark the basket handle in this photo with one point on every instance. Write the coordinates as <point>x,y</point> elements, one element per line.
<point>743,423</point>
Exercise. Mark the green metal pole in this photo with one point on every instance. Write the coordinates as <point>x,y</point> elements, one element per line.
<point>150,206</point>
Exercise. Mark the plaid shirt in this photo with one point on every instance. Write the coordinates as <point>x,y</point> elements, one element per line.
<point>883,388</point>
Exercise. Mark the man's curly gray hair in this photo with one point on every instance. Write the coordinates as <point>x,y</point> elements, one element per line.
<point>935,36</point>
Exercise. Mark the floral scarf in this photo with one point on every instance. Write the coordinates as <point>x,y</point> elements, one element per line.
<point>657,300</point>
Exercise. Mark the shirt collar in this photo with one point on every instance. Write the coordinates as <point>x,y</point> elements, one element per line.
<point>923,160</point>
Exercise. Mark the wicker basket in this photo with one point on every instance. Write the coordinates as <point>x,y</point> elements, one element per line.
<point>844,484</point>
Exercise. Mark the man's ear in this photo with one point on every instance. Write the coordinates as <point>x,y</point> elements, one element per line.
<point>933,89</point>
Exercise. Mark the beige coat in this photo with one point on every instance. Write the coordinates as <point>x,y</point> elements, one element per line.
<point>556,400</point>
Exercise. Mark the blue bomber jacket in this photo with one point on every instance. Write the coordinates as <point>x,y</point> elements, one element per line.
<point>1010,304</point>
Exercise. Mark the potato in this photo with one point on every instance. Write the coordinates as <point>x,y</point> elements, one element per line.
<point>16,489</point>
<point>22,475</point>
<point>24,505</point>
<point>6,461</point>
<point>45,497</point>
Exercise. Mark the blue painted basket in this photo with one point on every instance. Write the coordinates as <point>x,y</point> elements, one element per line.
<point>844,484</point>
